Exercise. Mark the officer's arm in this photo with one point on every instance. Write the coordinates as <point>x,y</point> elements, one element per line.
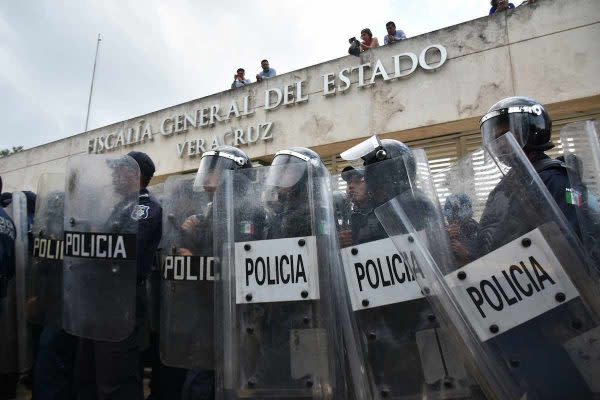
<point>149,234</point>
<point>150,229</point>
<point>557,183</point>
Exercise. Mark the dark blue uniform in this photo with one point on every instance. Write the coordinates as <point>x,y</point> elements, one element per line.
<point>8,382</point>
<point>149,218</point>
<point>556,179</point>
<point>113,370</point>
<point>7,250</point>
<point>539,356</point>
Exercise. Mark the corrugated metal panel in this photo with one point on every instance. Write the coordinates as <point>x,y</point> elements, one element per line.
<point>443,152</point>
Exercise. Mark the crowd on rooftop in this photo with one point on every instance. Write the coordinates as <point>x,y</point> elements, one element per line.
<point>367,42</point>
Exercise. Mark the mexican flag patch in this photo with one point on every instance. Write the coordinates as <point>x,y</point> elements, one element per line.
<point>247,228</point>
<point>573,197</point>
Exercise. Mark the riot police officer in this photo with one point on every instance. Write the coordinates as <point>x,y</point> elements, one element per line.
<point>8,375</point>
<point>360,204</point>
<point>462,228</point>
<point>531,125</point>
<point>278,337</point>
<point>187,309</point>
<point>383,186</point>
<point>508,213</point>
<point>7,248</point>
<point>405,351</point>
<point>113,369</point>
<point>291,203</point>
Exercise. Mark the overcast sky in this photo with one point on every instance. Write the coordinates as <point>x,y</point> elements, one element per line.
<point>155,54</point>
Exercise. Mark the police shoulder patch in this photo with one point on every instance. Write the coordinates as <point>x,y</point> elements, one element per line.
<point>140,211</point>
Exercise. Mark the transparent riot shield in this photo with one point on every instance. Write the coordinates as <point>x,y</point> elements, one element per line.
<point>45,272</point>
<point>275,239</point>
<point>508,275</point>
<point>154,274</point>
<point>18,212</point>
<point>406,352</point>
<point>100,229</point>
<point>581,147</point>
<point>187,287</point>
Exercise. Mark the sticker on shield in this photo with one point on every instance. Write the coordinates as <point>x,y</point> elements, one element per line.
<point>269,271</point>
<point>511,285</point>
<point>379,274</point>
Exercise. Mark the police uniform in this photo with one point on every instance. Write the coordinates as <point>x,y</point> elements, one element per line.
<point>200,383</point>
<point>8,381</point>
<point>113,370</point>
<point>272,363</point>
<point>399,339</point>
<point>538,356</point>
<point>395,325</point>
<point>554,175</point>
<point>7,250</point>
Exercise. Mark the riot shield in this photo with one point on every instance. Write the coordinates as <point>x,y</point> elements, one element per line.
<point>510,277</point>
<point>274,239</point>
<point>18,212</point>
<point>100,230</point>
<point>404,349</point>
<point>154,274</point>
<point>45,272</point>
<point>187,287</point>
<point>581,148</point>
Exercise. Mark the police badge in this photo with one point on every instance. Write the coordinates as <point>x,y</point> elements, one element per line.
<point>140,212</point>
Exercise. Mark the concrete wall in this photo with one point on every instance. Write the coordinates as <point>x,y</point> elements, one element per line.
<point>548,50</point>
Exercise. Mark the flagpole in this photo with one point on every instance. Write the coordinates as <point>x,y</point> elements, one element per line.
<point>87,116</point>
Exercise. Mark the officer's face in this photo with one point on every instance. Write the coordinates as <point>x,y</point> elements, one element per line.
<point>125,180</point>
<point>357,190</point>
<point>501,127</point>
<point>210,183</point>
<point>493,128</point>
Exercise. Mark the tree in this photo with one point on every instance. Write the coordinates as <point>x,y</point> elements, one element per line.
<point>7,152</point>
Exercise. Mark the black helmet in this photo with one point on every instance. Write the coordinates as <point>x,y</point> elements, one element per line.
<point>390,165</point>
<point>289,166</point>
<point>350,173</point>
<point>525,118</point>
<point>213,162</point>
<point>458,208</point>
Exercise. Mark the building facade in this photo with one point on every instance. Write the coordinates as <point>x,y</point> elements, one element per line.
<point>428,91</point>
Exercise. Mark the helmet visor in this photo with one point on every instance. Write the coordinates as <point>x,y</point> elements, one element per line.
<point>210,171</point>
<point>286,171</point>
<point>363,149</point>
<point>496,126</point>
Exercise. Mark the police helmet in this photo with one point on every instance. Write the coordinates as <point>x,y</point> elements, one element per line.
<point>458,208</point>
<point>289,167</point>
<point>214,162</point>
<point>525,118</point>
<point>389,164</point>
